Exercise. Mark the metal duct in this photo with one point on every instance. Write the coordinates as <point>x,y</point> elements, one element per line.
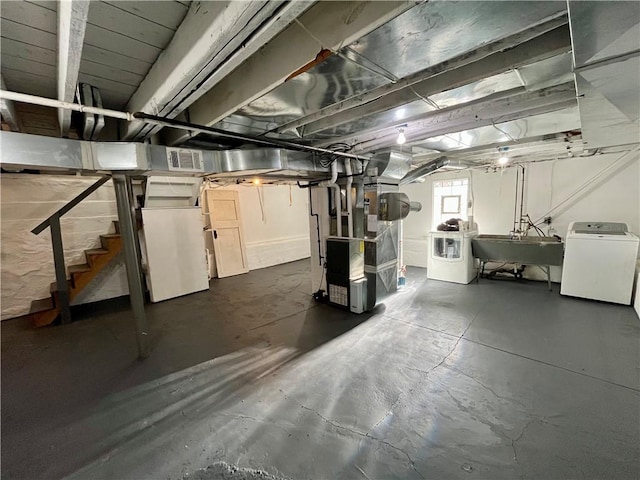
<point>388,167</point>
<point>92,124</point>
<point>605,38</point>
<point>22,151</point>
<point>396,206</point>
<point>424,170</point>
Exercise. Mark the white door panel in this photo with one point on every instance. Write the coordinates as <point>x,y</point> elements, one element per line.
<point>175,251</point>
<point>226,228</point>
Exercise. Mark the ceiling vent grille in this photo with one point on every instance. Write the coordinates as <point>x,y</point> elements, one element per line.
<point>181,160</point>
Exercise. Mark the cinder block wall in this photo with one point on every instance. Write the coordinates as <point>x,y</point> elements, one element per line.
<point>26,267</point>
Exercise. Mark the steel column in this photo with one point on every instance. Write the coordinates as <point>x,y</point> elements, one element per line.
<point>126,216</point>
<point>61,270</point>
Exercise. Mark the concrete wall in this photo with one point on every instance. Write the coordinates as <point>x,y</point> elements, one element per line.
<point>280,235</point>
<point>26,269</point>
<point>616,199</point>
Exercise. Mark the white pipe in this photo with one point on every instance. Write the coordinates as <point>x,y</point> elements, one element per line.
<point>49,102</point>
<point>337,197</point>
<point>334,176</point>
<point>400,248</point>
<point>348,171</point>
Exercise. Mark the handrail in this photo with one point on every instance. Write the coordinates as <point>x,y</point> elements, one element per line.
<point>53,222</point>
<point>59,213</point>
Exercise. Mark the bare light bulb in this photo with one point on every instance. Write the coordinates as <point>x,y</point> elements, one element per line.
<point>503,160</point>
<point>256,181</point>
<point>401,138</point>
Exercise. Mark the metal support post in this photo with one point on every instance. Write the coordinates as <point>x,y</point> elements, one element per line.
<point>61,270</point>
<point>126,216</point>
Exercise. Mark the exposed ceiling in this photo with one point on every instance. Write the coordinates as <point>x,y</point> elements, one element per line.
<point>122,41</point>
<point>459,77</point>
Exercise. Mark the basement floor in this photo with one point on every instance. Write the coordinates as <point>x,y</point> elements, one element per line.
<point>496,379</point>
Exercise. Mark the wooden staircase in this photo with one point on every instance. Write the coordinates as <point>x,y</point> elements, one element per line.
<point>46,311</point>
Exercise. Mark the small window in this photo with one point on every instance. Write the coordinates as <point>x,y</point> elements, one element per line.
<point>450,204</point>
<point>450,200</point>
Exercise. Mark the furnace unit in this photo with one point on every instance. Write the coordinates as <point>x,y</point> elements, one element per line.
<point>345,272</point>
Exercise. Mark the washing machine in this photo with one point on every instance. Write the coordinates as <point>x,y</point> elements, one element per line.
<point>449,257</point>
<point>599,261</point>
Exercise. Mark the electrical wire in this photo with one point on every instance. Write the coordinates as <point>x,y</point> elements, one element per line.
<point>261,200</point>
<point>324,269</point>
<point>504,132</point>
<point>326,159</point>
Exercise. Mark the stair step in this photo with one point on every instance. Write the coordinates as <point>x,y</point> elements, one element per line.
<point>79,268</point>
<point>96,251</point>
<point>53,287</point>
<point>41,305</point>
<point>109,239</point>
<point>46,317</point>
<point>95,256</point>
<point>44,312</point>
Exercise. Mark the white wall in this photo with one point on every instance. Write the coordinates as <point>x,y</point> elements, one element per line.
<point>26,269</point>
<point>281,235</point>
<point>547,184</point>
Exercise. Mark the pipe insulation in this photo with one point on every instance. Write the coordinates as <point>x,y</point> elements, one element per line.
<point>49,102</point>
<point>337,197</point>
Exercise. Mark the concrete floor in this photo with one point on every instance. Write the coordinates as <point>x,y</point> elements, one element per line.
<point>500,379</point>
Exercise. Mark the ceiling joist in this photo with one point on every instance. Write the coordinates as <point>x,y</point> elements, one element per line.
<point>8,111</point>
<point>547,45</point>
<point>72,21</point>
<point>328,25</point>
<point>402,87</point>
<point>210,43</point>
<point>489,110</point>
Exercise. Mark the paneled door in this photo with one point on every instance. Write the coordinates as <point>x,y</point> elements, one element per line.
<point>226,228</point>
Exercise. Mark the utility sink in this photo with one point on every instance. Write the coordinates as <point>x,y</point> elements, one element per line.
<point>525,250</point>
<point>542,251</point>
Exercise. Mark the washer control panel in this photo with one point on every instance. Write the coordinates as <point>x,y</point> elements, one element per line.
<point>601,228</point>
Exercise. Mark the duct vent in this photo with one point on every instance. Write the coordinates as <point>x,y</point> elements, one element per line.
<point>181,160</point>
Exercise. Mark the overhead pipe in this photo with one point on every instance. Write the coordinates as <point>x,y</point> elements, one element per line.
<point>172,123</point>
<point>615,167</point>
<point>50,102</point>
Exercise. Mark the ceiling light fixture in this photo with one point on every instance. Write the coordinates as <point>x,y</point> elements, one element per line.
<point>503,159</point>
<point>401,138</point>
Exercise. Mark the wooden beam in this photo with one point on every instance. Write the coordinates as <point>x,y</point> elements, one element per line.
<point>72,21</point>
<point>329,25</point>
<point>8,111</point>
<point>218,36</point>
